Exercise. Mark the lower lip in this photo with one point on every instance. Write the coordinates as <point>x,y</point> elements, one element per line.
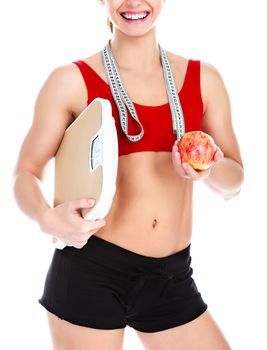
<point>135,21</point>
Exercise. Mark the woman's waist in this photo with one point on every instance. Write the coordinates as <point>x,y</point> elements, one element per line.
<point>160,244</point>
<point>143,207</point>
<point>155,230</point>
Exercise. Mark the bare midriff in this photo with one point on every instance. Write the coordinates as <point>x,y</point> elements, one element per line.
<point>151,212</point>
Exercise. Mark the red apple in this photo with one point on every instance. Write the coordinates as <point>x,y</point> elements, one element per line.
<point>197,148</point>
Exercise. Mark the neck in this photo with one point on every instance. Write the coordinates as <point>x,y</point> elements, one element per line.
<point>136,53</point>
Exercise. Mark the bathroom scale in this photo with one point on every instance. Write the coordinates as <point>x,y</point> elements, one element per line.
<point>86,161</point>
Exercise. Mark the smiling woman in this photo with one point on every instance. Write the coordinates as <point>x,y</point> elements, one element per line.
<point>132,268</point>
<point>131,17</point>
<point>135,16</point>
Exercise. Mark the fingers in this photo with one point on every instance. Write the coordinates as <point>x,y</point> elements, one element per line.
<point>84,239</point>
<point>190,172</point>
<point>89,225</point>
<point>81,203</point>
<point>87,234</point>
<point>176,159</point>
<point>79,245</point>
<point>92,225</point>
<point>94,231</point>
<point>82,230</point>
<point>185,170</point>
<point>218,155</point>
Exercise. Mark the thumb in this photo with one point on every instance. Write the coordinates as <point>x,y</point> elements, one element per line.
<point>218,155</point>
<point>82,203</point>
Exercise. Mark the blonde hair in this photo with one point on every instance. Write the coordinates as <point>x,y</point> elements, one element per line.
<point>110,25</point>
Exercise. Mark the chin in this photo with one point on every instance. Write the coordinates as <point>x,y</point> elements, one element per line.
<point>135,32</point>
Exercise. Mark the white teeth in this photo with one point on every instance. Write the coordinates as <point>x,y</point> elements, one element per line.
<point>137,16</point>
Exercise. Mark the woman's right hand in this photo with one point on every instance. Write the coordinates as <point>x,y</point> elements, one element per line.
<point>66,223</point>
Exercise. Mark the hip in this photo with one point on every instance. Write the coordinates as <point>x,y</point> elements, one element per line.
<point>105,286</point>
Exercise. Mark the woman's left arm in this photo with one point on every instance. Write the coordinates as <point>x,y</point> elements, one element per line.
<point>225,176</point>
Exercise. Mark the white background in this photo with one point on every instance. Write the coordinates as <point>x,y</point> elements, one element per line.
<point>229,239</point>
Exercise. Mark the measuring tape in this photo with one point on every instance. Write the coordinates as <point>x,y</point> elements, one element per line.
<point>123,101</point>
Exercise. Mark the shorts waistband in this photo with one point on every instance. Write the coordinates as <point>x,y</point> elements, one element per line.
<point>122,258</point>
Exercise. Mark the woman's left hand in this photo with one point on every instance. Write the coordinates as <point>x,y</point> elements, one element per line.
<point>186,171</point>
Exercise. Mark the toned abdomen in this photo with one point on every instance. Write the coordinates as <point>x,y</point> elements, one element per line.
<point>151,213</point>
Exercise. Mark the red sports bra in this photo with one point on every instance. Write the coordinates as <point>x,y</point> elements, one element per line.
<point>156,120</point>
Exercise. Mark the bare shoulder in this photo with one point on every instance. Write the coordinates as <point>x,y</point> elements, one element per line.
<point>210,74</point>
<point>65,84</point>
<point>54,107</point>
<point>64,74</point>
<point>71,80</point>
<point>178,62</point>
<point>96,63</point>
<point>211,82</point>
<point>95,59</point>
<point>68,81</point>
<point>58,94</point>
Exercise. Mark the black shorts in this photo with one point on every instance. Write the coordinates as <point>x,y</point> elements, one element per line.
<point>105,286</point>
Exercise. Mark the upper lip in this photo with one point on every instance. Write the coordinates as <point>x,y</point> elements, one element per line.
<point>134,12</point>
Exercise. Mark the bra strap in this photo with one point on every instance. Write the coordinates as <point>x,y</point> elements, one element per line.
<point>84,69</point>
<point>193,82</point>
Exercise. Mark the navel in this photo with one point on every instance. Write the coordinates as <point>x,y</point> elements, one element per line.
<point>154,223</point>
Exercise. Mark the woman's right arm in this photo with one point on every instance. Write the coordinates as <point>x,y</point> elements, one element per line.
<point>52,115</point>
